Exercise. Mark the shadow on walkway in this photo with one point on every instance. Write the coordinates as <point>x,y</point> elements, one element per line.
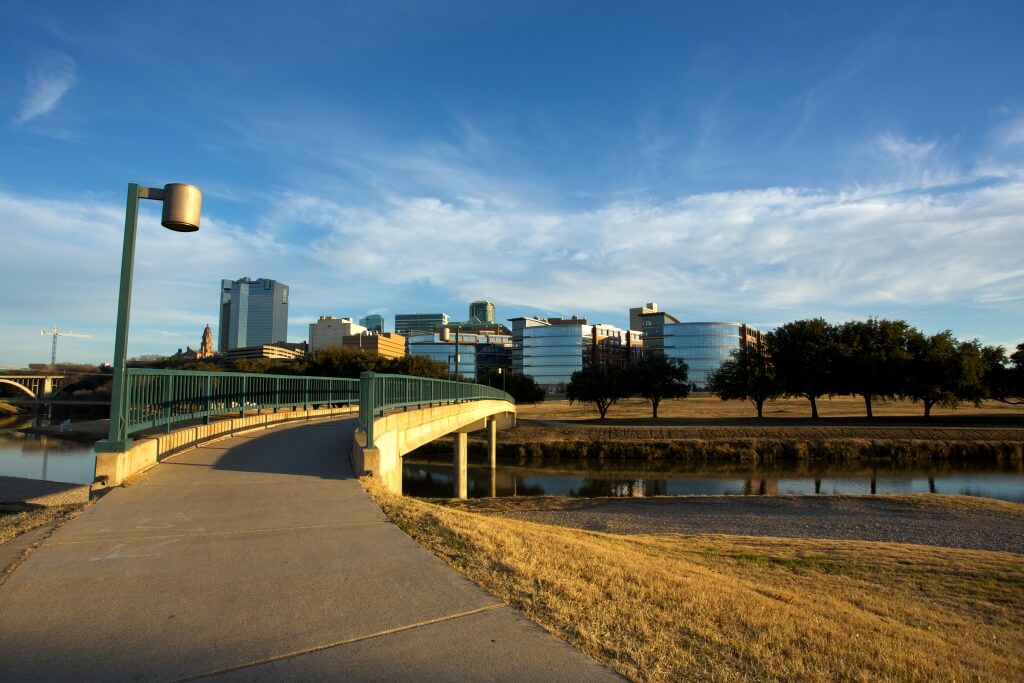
<point>313,450</point>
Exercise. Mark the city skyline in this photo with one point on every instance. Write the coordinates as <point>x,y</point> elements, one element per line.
<point>759,164</point>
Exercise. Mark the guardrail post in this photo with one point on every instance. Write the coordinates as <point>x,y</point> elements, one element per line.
<point>207,390</point>
<point>305,397</point>
<point>168,395</point>
<point>367,400</point>
<point>241,398</point>
<point>277,393</point>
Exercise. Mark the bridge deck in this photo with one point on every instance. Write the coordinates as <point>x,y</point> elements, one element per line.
<point>259,558</point>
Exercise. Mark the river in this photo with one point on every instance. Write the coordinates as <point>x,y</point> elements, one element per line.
<point>31,456</point>
<point>62,460</point>
<point>433,477</point>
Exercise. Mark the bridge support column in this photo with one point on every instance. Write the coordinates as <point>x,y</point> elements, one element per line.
<point>460,463</point>
<point>492,441</point>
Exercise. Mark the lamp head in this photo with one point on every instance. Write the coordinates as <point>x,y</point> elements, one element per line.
<point>182,204</point>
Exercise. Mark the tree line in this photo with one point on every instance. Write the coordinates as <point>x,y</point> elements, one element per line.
<point>875,359</point>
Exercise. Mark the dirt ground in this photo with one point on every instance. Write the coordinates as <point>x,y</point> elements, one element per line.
<point>949,521</point>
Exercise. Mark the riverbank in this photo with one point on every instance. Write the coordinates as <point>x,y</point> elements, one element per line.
<point>85,430</point>
<point>749,446</point>
<point>936,520</point>
<point>730,607</point>
<point>709,430</point>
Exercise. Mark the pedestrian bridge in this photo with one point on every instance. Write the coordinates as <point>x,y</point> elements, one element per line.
<point>174,409</point>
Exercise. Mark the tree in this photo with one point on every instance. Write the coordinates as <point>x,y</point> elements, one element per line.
<point>657,377</point>
<point>341,362</point>
<point>521,387</point>
<point>746,375</point>
<point>1004,378</point>
<point>419,366</point>
<point>336,361</point>
<point>872,358</point>
<point>601,385</point>
<point>803,353</point>
<point>266,366</point>
<point>944,371</point>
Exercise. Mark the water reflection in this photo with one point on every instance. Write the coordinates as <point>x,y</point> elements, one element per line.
<point>43,457</point>
<point>432,477</point>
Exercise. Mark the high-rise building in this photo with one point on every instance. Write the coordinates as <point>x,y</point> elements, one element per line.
<point>330,331</point>
<point>252,312</point>
<point>635,319</point>
<point>407,324</point>
<point>482,311</point>
<point>373,322</point>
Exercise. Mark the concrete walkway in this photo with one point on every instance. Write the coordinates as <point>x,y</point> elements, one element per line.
<point>259,557</point>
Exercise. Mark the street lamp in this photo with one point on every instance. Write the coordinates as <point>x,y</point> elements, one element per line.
<point>181,210</point>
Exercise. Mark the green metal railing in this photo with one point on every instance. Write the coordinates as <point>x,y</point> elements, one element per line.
<point>160,398</point>
<point>379,393</point>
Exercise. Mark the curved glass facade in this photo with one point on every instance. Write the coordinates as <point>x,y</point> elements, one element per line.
<point>549,354</point>
<point>702,346</point>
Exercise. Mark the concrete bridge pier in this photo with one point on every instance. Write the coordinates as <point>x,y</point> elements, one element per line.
<point>492,442</point>
<point>492,452</point>
<point>460,464</point>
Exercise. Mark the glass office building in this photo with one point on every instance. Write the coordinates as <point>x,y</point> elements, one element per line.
<point>472,358</point>
<point>548,353</point>
<point>373,322</point>
<point>408,324</point>
<point>703,346</point>
<point>551,350</point>
<point>482,311</point>
<point>252,312</point>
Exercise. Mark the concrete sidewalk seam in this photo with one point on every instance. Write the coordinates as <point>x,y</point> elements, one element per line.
<point>224,532</point>
<point>340,643</point>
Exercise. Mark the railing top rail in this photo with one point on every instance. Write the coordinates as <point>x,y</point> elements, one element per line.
<point>204,373</point>
<point>469,388</point>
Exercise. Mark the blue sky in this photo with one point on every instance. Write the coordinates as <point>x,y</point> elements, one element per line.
<point>760,162</point>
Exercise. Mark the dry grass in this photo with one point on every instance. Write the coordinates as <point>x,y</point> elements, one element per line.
<point>17,520</point>
<point>718,608</point>
<point>711,408</point>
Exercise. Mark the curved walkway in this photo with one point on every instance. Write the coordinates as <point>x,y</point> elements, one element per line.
<point>259,558</point>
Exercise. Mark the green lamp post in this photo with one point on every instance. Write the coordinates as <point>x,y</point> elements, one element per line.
<point>182,204</point>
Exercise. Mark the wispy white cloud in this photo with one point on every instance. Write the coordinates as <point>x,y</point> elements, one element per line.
<point>1013,133</point>
<point>46,82</point>
<point>777,251</point>
<point>928,237</point>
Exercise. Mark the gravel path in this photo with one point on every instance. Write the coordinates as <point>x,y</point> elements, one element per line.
<point>798,516</point>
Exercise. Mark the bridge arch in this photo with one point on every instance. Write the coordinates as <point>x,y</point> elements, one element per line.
<point>24,389</point>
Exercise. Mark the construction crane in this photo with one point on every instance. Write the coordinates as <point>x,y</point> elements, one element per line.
<point>57,333</point>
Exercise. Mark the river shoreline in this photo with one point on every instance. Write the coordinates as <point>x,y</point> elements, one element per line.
<point>710,441</point>
<point>936,520</point>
